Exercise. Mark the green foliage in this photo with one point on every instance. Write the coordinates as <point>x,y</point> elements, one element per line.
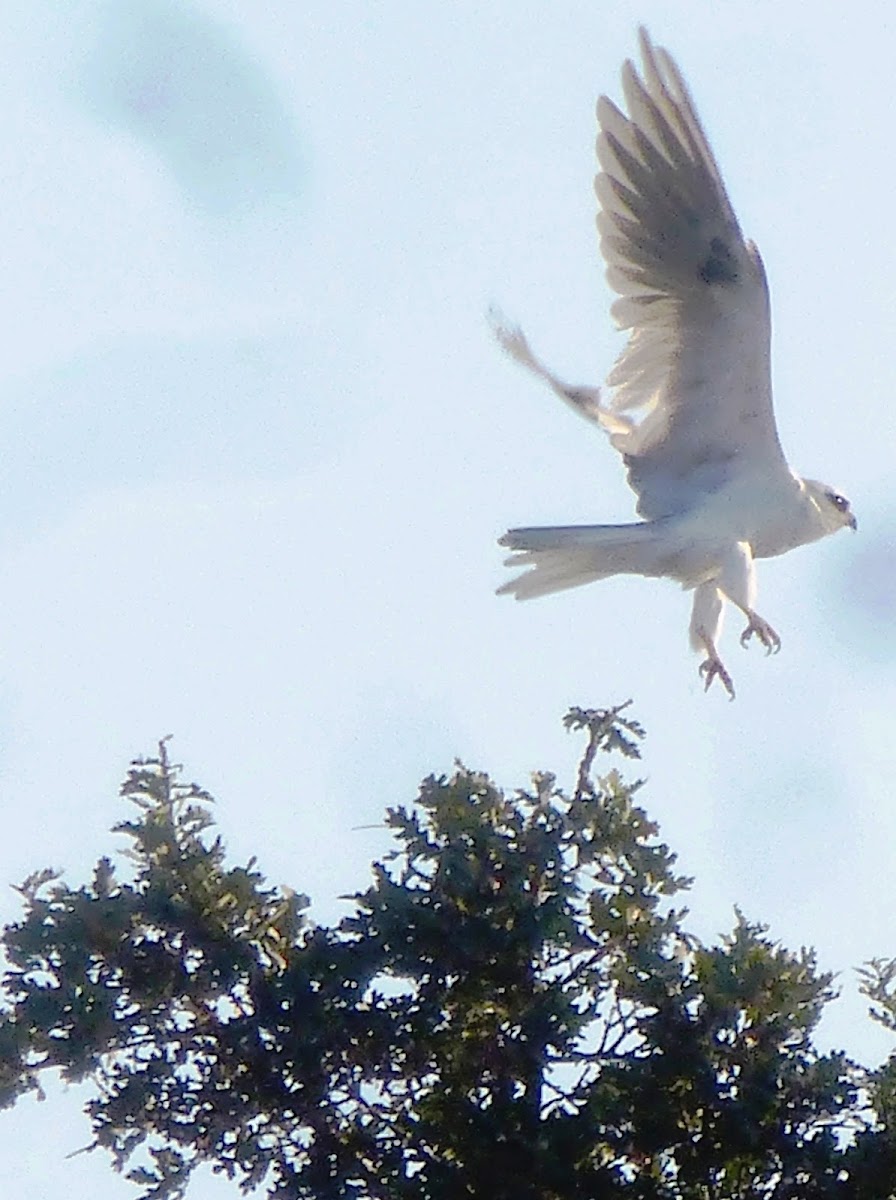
<point>513,1009</point>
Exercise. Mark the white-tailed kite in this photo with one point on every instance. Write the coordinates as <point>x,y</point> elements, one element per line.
<point>691,406</point>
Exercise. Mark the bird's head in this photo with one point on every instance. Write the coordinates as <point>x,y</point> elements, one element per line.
<point>833,507</point>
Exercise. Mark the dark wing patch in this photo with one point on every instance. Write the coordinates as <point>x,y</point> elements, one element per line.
<point>720,265</point>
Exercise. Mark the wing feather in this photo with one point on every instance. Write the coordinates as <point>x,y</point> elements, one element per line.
<point>695,374</point>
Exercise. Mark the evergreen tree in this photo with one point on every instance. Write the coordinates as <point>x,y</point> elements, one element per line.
<point>513,1010</point>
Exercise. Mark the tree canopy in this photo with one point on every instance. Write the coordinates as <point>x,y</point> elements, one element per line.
<point>513,1009</point>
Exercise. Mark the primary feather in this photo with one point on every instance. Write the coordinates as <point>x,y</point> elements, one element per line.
<point>694,379</point>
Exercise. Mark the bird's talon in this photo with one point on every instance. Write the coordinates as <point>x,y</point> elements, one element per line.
<point>713,668</point>
<point>761,628</point>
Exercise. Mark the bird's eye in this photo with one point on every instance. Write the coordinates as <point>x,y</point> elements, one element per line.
<point>839,502</point>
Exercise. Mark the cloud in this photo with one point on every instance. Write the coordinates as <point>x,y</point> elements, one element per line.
<point>188,89</point>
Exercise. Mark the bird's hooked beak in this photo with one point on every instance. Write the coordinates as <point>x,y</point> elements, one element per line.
<point>852,522</point>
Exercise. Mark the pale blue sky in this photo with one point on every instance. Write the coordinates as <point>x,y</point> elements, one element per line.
<point>258,444</point>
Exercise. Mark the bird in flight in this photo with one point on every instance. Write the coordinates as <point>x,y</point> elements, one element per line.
<point>690,403</point>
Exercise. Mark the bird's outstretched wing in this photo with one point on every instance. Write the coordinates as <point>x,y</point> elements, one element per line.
<point>691,404</point>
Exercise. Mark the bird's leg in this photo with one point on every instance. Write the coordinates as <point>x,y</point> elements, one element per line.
<point>737,580</point>
<point>762,629</point>
<point>706,625</point>
<point>712,666</point>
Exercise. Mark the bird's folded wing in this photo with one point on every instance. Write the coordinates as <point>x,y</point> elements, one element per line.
<point>691,391</point>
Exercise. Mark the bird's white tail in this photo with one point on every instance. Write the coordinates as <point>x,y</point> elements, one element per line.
<point>566,556</point>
